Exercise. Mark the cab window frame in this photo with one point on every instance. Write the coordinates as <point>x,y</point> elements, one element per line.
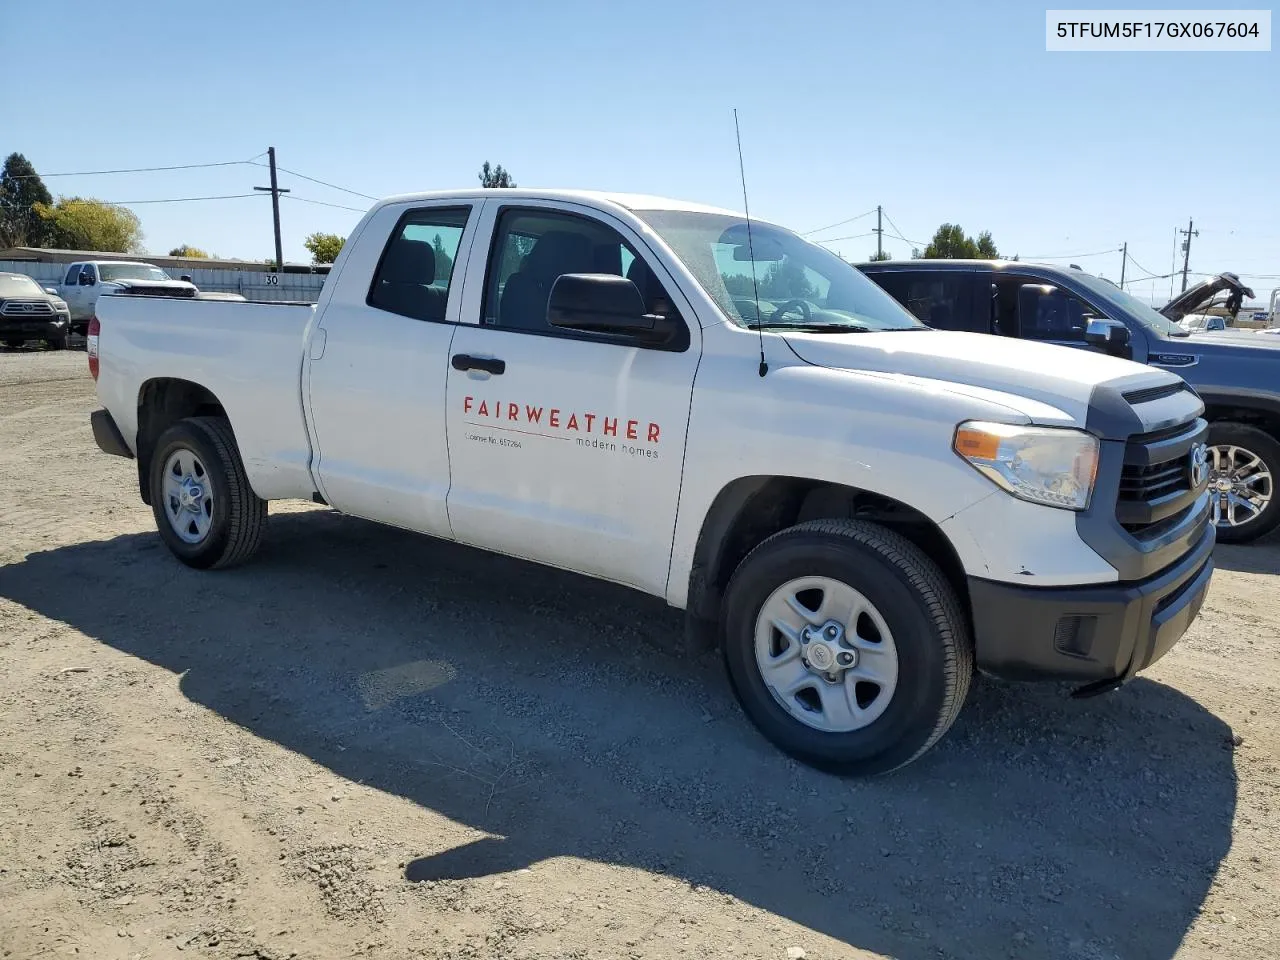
<point>407,218</point>
<point>499,234</point>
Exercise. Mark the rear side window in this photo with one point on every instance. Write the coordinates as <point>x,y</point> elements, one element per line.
<point>940,300</point>
<point>416,268</point>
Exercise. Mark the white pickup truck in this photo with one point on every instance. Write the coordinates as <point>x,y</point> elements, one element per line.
<point>857,508</point>
<point>87,281</point>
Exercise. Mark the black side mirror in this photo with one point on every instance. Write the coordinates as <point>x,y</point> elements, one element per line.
<point>86,280</point>
<point>604,303</point>
<point>186,278</point>
<point>1109,335</point>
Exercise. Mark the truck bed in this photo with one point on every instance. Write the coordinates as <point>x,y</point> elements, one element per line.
<point>248,354</point>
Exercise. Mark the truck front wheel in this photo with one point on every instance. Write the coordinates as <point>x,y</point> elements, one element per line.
<point>846,646</point>
<point>205,510</point>
<point>1244,464</point>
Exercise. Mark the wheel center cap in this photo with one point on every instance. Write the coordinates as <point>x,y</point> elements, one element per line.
<point>1223,484</point>
<point>821,657</point>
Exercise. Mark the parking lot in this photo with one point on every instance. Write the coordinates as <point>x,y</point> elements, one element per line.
<point>367,743</point>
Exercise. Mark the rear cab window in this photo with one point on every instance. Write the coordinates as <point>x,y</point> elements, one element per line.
<point>416,271</point>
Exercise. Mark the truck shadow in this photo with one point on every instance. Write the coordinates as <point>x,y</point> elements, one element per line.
<point>1261,556</point>
<point>534,706</point>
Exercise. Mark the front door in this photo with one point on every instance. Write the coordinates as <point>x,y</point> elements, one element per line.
<point>566,447</point>
<point>375,378</point>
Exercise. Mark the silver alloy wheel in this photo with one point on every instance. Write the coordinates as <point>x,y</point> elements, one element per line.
<point>188,496</point>
<point>1240,484</point>
<point>826,654</point>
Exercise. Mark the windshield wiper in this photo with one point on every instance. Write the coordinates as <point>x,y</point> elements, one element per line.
<point>802,327</point>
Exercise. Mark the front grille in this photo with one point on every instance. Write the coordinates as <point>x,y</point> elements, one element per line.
<point>27,308</point>
<point>160,291</point>
<point>1156,483</point>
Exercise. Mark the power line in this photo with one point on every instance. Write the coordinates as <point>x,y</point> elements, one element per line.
<point>840,223</point>
<point>1069,256</point>
<point>323,183</point>
<point>322,203</point>
<point>132,203</point>
<point>898,234</point>
<point>96,173</point>
<point>1150,275</point>
<point>853,236</point>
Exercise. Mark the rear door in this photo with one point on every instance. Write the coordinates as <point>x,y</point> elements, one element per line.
<point>566,447</point>
<point>945,299</point>
<point>376,371</point>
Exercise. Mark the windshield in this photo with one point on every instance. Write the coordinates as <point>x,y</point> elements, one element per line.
<point>19,285</point>
<point>1129,305</point>
<point>131,271</point>
<point>799,283</point>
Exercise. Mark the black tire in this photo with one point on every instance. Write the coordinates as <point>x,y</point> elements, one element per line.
<point>1264,446</point>
<point>239,515</point>
<point>58,343</point>
<point>930,631</point>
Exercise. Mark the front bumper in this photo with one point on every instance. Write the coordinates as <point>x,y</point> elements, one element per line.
<point>1088,634</point>
<point>44,328</point>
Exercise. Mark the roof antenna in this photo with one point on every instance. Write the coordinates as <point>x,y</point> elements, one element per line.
<point>751,250</point>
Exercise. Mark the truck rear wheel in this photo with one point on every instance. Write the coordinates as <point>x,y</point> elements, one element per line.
<point>846,646</point>
<point>205,510</point>
<point>1244,465</point>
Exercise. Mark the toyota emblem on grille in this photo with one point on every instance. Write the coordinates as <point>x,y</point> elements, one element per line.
<point>1199,464</point>
<point>27,307</point>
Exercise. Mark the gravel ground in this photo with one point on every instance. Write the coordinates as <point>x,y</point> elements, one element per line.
<point>371,744</point>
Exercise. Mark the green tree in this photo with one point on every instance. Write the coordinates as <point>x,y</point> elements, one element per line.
<point>444,262</point>
<point>324,247</point>
<point>186,250</point>
<point>951,243</point>
<point>785,280</point>
<point>21,190</point>
<point>495,176</point>
<point>882,255</point>
<point>83,223</point>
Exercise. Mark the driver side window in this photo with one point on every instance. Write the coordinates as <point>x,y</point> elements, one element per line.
<point>1036,310</point>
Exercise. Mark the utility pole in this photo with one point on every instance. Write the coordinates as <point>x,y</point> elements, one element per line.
<point>879,234</point>
<point>1186,249</point>
<point>275,191</point>
<point>1124,258</point>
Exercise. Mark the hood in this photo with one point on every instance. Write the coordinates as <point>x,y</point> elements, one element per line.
<point>1059,381</point>
<point>1202,293</point>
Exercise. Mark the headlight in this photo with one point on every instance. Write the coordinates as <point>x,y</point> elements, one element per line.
<point>1054,466</point>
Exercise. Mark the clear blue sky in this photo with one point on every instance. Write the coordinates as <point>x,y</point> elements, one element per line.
<point>938,111</point>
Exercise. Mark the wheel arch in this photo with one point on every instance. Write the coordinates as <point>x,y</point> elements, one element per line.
<point>751,509</point>
<point>1256,411</point>
<point>162,402</point>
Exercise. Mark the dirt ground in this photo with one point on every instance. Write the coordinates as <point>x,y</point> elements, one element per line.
<point>371,744</point>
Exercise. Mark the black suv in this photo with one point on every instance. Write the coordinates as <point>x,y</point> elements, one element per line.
<point>30,312</point>
<point>1237,374</point>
